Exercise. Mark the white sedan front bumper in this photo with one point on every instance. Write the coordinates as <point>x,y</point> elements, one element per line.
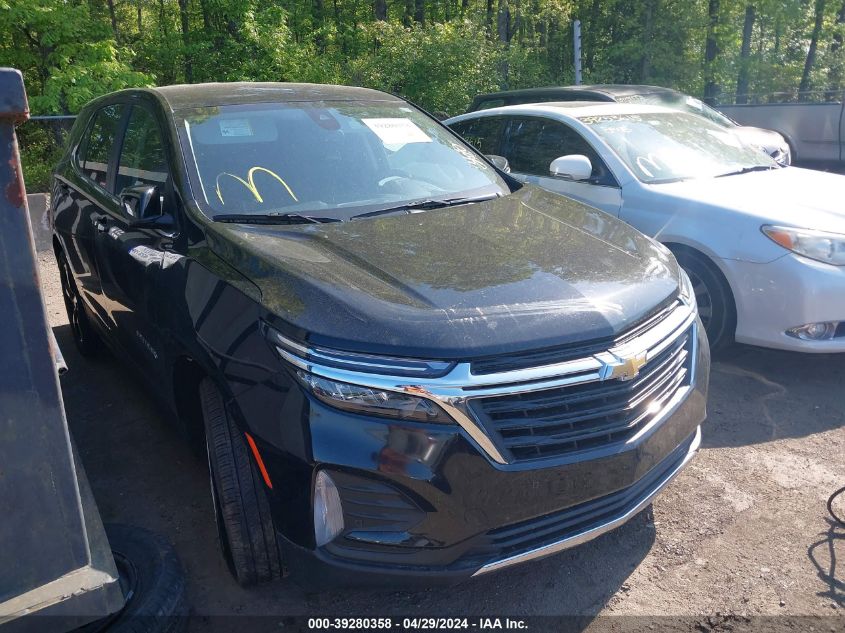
<point>788,292</point>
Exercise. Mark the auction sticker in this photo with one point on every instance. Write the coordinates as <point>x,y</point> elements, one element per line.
<point>235,127</point>
<point>397,131</point>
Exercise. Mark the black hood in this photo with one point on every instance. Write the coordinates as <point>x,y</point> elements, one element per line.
<point>527,271</point>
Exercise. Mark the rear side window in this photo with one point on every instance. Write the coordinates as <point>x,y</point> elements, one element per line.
<point>99,143</point>
<point>142,159</point>
<point>483,133</point>
<point>486,104</point>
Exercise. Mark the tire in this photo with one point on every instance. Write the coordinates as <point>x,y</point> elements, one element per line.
<point>152,581</point>
<point>244,525</point>
<point>714,297</point>
<point>87,342</point>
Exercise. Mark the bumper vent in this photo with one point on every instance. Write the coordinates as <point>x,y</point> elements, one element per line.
<point>554,422</point>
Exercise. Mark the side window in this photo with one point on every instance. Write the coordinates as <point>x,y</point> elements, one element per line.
<point>142,158</point>
<point>522,145</point>
<point>483,133</point>
<point>98,144</point>
<point>536,142</point>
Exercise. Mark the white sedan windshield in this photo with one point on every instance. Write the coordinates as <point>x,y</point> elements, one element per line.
<point>669,146</point>
<point>330,159</point>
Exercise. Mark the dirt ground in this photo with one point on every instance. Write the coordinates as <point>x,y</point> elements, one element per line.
<point>742,532</point>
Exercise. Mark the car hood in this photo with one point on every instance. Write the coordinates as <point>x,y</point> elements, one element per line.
<point>527,271</point>
<point>790,196</point>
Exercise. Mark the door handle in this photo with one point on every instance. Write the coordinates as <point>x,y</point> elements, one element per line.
<point>100,222</point>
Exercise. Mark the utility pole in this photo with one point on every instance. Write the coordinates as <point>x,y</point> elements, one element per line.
<point>576,42</point>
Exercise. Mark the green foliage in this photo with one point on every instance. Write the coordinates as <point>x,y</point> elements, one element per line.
<point>41,148</point>
<point>438,53</point>
<point>411,62</point>
<point>67,56</point>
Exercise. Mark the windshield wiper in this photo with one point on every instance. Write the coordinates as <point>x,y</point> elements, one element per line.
<point>271,218</point>
<point>426,204</point>
<point>747,170</point>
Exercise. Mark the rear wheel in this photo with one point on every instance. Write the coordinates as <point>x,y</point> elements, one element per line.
<point>244,525</point>
<point>84,337</point>
<point>714,297</point>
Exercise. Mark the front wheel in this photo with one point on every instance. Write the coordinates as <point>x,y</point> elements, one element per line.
<point>244,525</point>
<point>714,297</point>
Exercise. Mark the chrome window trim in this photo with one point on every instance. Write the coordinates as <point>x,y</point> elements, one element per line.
<point>452,390</point>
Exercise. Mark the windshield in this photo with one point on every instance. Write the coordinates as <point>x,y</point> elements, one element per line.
<point>334,160</point>
<point>669,146</point>
<point>682,102</point>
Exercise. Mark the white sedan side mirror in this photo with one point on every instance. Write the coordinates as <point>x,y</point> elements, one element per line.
<point>572,167</point>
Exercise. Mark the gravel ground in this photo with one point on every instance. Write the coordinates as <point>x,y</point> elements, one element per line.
<point>741,532</point>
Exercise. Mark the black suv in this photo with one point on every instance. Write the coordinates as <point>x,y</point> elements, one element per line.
<point>399,360</point>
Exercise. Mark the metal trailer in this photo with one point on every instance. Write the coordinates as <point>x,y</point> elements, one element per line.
<point>55,559</point>
<point>815,131</point>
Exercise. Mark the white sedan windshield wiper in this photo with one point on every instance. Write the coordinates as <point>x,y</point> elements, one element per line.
<point>271,218</point>
<point>746,170</point>
<point>424,205</point>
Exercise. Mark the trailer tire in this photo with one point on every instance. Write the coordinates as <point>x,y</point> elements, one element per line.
<point>152,580</point>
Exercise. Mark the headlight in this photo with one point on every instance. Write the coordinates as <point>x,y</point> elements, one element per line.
<point>367,401</point>
<point>687,292</point>
<point>819,245</point>
<point>356,398</point>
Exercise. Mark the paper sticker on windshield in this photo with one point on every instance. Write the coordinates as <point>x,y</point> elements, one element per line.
<point>235,127</point>
<point>397,131</point>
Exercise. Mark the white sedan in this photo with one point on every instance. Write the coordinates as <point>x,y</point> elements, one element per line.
<point>763,245</point>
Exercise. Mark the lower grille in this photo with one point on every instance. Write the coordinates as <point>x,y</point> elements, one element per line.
<point>563,420</point>
<point>547,529</point>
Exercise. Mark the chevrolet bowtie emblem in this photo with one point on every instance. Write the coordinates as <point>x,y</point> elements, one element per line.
<point>627,368</point>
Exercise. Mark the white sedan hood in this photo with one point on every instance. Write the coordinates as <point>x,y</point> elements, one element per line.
<point>791,196</point>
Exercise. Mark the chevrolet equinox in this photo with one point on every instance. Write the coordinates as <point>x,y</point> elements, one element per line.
<point>403,365</point>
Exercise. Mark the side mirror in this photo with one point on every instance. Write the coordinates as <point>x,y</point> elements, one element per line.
<point>500,162</point>
<point>572,167</point>
<point>144,204</point>
<point>141,202</point>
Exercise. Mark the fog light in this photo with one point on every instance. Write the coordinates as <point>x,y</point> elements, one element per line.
<point>328,513</point>
<point>815,331</point>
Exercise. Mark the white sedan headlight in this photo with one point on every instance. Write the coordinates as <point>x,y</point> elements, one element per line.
<point>819,245</point>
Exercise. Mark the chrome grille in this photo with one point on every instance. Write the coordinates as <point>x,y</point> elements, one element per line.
<point>567,419</point>
<point>536,358</point>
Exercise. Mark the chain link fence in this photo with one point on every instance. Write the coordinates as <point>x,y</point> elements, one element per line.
<point>42,141</point>
<point>827,95</point>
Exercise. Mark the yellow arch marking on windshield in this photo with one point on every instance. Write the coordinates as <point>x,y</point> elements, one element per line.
<point>249,183</point>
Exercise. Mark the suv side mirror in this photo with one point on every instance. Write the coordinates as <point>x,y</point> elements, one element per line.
<point>500,162</point>
<point>572,167</point>
<point>144,204</point>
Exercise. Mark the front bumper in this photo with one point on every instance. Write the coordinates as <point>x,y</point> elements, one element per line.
<point>788,292</point>
<point>328,567</point>
<point>426,503</point>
